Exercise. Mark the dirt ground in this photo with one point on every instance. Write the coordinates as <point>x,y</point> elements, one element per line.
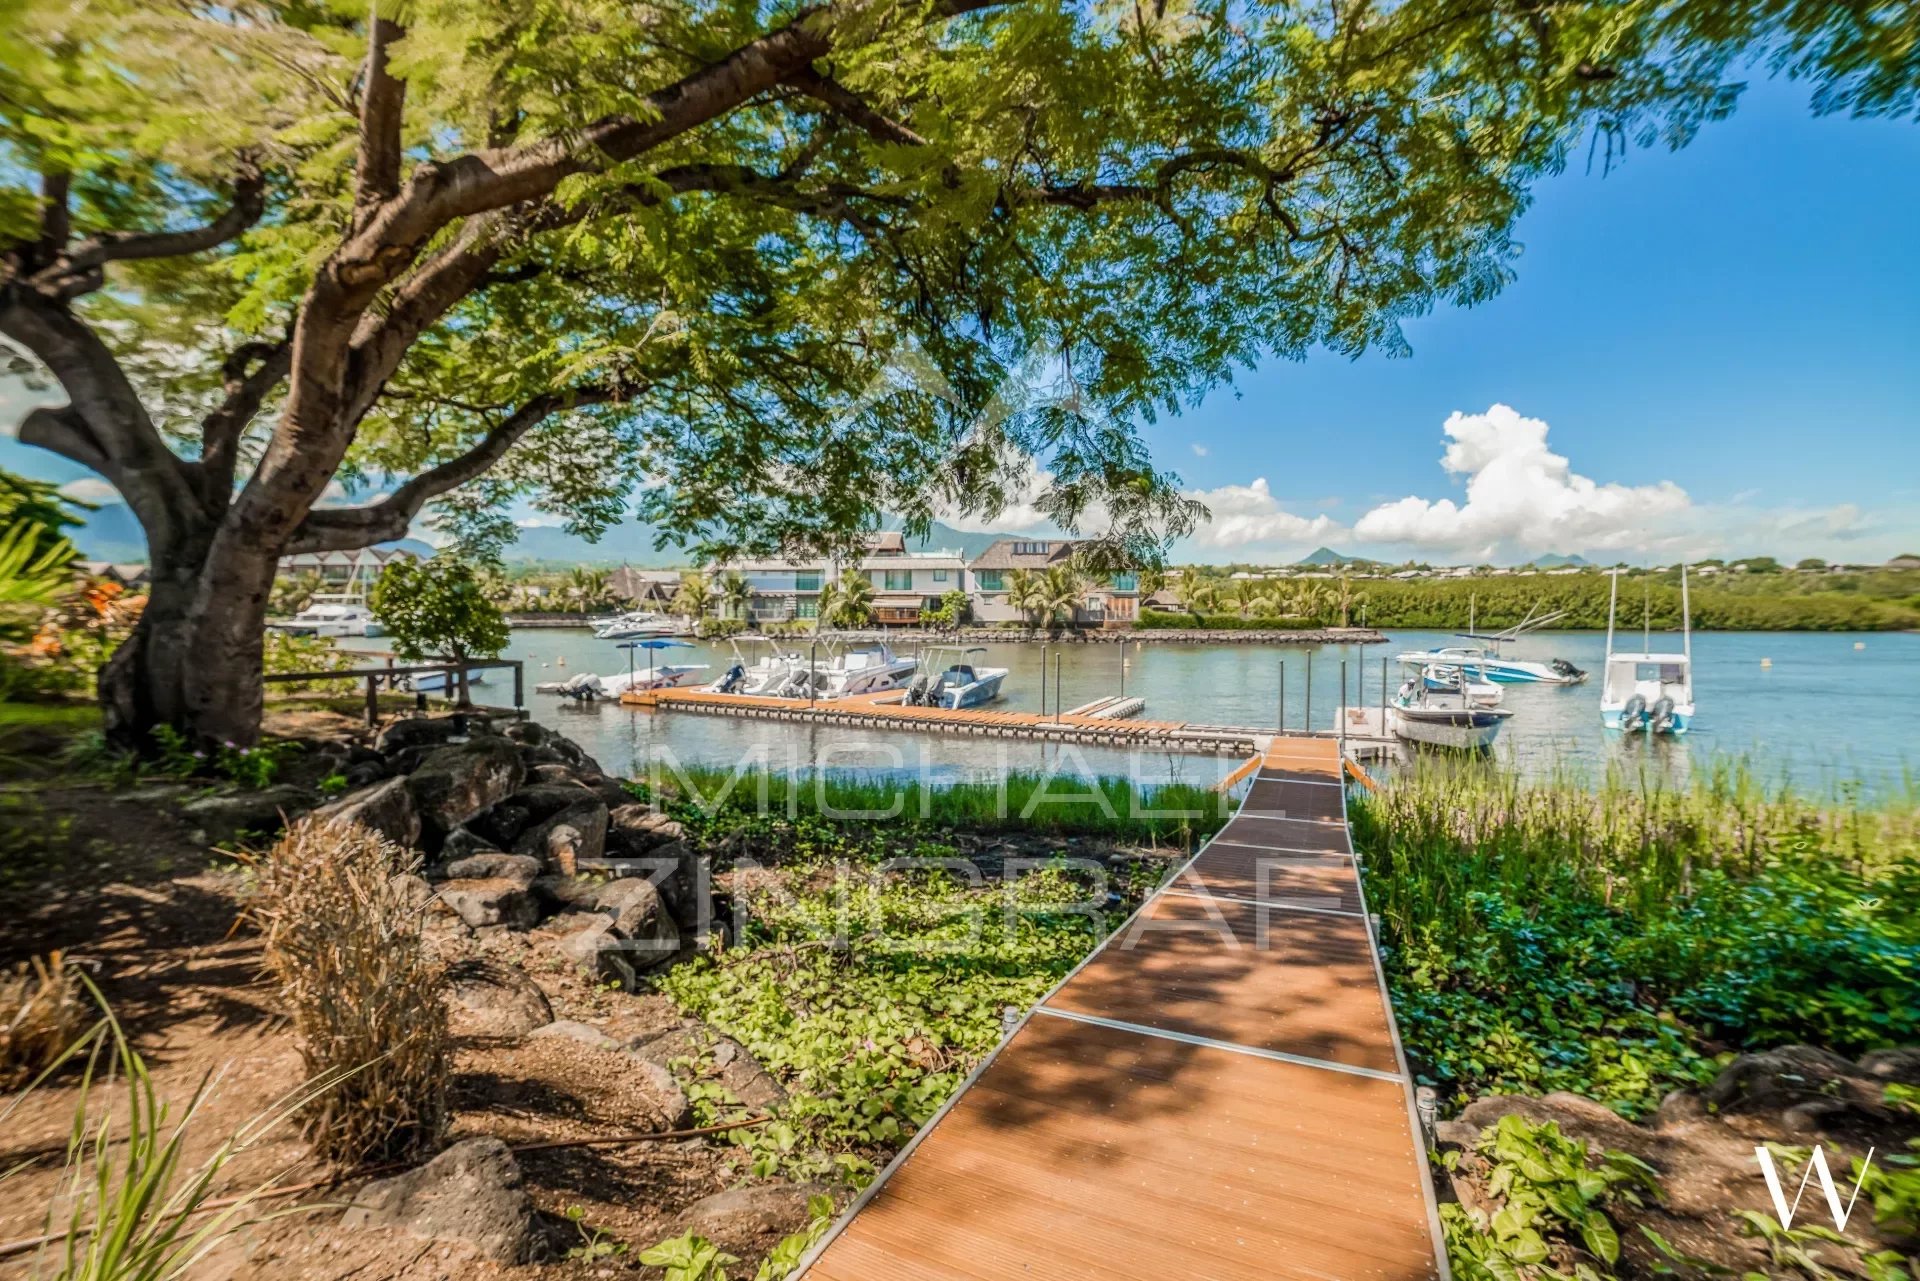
<point>109,876</point>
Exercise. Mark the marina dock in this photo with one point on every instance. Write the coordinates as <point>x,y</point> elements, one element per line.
<point>1095,724</point>
<point>1217,1094</point>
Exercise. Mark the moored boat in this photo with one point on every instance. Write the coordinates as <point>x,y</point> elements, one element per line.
<point>1649,692</point>
<point>959,684</point>
<point>1443,718</point>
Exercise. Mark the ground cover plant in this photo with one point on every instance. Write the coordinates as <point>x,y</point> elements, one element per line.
<point>1612,940</point>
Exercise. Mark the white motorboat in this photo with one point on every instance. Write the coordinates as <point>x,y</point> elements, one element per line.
<point>330,616</point>
<point>959,684</point>
<point>588,688</point>
<point>1649,692</point>
<point>637,625</point>
<point>1443,718</point>
<point>765,675</point>
<point>865,669</point>
<point>441,682</point>
<point>1483,693</point>
<point>1484,662</point>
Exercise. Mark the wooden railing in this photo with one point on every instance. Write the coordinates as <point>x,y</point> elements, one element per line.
<point>391,673</point>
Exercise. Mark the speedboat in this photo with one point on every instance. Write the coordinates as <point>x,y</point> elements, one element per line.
<point>960,684</point>
<point>1485,664</point>
<point>766,675</point>
<point>1649,692</point>
<point>588,688</point>
<point>1481,692</point>
<point>1443,718</point>
<point>635,625</point>
<point>330,616</point>
<point>865,669</point>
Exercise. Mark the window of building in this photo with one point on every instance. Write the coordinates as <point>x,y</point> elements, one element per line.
<point>806,582</point>
<point>988,580</point>
<point>899,580</point>
<point>939,575</point>
<point>1126,582</point>
<point>1031,549</point>
<point>806,609</point>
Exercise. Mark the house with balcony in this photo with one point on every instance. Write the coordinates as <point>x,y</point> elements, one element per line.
<point>906,583</point>
<point>1111,600</point>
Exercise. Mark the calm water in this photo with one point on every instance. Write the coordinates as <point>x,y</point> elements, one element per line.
<point>1823,713</point>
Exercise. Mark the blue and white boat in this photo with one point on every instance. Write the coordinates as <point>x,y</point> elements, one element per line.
<point>1649,692</point>
<point>1484,662</point>
<point>1483,693</point>
<point>959,684</point>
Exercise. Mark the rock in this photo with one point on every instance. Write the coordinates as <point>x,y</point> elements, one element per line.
<point>1776,1080</point>
<point>585,1033</point>
<point>550,775</point>
<point>386,808</point>
<point>229,815</point>
<point>565,893</point>
<point>473,1193</point>
<point>418,731</point>
<point>1456,1134</point>
<point>491,901</point>
<point>1679,1107</point>
<point>532,757</point>
<point>488,998</point>
<point>578,832</point>
<point>364,774</point>
<point>587,939</point>
<point>492,865</point>
<point>675,1108</point>
<point>463,842</point>
<point>506,822</point>
<point>418,892</point>
<point>1899,1065</point>
<point>1577,1117</point>
<point>455,783</point>
<point>748,1221</point>
<point>739,1071</point>
<point>637,828</point>
<point>530,732</point>
<point>685,881</point>
<point>642,921</point>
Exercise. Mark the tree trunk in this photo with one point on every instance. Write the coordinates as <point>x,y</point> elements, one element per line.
<point>194,661</point>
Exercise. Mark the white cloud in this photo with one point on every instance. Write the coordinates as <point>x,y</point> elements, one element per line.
<point>1244,515</point>
<point>90,489</point>
<point>1199,450</point>
<point>1019,516</point>
<point>1523,497</point>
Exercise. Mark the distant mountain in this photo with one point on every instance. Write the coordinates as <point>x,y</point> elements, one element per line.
<point>630,543</point>
<point>1553,560</point>
<point>1325,556</point>
<point>946,538</point>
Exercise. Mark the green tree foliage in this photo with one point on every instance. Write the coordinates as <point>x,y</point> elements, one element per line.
<point>782,260</point>
<point>693,597</point>
<point>36,503</point>
<point>736,594</point>
<point>847,601</point>
<point>438,609</point>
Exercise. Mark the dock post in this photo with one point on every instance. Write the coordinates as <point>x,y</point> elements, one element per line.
<point>1056,688</point>
<point>813,661</point>
<point>1282,722</point>
<point>1306,717</point>
<point>1043,678</point>
<point>519,685</point>
<point>1123,667</point>
<point>1383,697</point>
<point>373,703</point>
<point>1340,729</point>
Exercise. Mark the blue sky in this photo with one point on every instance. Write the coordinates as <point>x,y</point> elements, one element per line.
<point>1709,351</point>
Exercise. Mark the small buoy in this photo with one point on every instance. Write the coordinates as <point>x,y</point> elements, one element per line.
<point>561,661</point>
<point>1859,644</point>
<point>1766,662</point>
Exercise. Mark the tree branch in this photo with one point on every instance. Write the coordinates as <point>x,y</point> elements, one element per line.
<point>221,430</point>
<point>382,108</point>
<point>78,271</point>
<point>346,528</point>
<point>853,107</point>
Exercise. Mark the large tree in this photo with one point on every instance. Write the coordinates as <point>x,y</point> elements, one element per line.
<point>767,263</point>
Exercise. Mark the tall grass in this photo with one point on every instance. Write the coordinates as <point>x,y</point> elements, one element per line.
<point>1444,831</point>
<point>1178,814</point>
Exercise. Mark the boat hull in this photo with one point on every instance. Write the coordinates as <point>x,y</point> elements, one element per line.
<point>984,690</point>
<point>1615,718</point>
<point>1461,731</point>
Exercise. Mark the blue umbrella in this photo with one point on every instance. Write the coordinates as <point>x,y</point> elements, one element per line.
<point>630,646</point>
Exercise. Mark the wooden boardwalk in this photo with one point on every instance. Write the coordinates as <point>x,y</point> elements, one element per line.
<point>888,710</point>
<point>1217,1094</point>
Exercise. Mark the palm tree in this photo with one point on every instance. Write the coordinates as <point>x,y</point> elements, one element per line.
<point>1200,594</point>
<point>1026,593</point>
<point>1346,600</point>
<point>1062,589</point>
<point>735,594</point>
<point>694,596</point>
<point>1151,581</point>
<point>1308,600</point>
<point>847,601</point>
<point>1248,591</point>
<point>585,588</point>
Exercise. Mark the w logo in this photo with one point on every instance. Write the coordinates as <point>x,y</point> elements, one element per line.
<point>1816,1166</point>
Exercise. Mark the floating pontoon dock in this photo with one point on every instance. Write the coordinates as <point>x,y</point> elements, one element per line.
<point>1097,724</point>
<point>1217,1094</point>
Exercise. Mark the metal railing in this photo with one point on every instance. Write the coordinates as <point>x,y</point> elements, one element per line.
<point>391,674</point>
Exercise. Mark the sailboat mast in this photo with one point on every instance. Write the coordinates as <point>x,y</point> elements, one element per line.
<point>1613,601</point>
<point>1686,620</point>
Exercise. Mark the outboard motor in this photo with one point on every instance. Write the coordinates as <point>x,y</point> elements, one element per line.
<point>731,681</point>
<point>1634,713</point>
<point>920,690</point>
<point>1567,671</point>
<point>1660,719</point>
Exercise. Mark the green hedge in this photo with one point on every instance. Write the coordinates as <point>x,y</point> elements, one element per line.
<point>1155,620</point>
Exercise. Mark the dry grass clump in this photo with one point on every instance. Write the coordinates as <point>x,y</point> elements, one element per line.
<point>42,1012</point>
<point>343,941</point>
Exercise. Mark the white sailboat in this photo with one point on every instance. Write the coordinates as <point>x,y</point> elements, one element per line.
<point>1648,692</point>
